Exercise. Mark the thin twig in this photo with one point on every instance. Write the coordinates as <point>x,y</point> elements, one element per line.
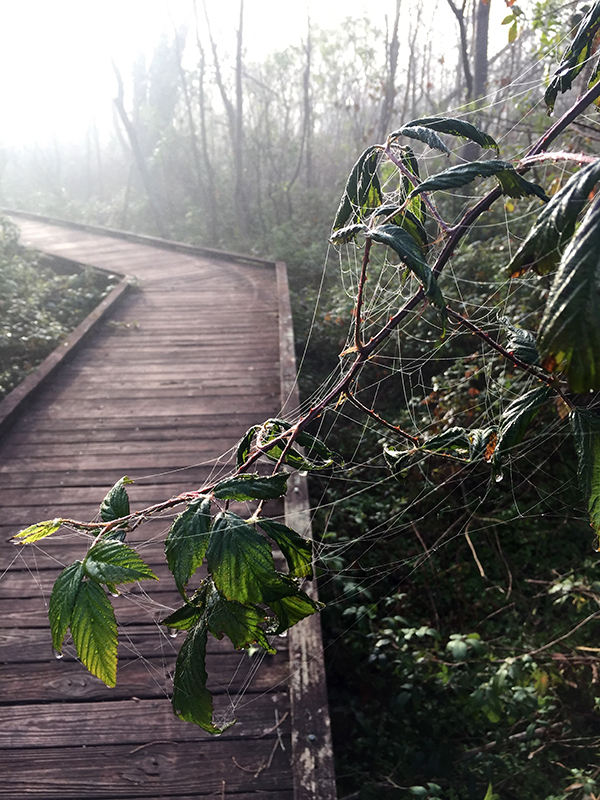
<point>374,415</point>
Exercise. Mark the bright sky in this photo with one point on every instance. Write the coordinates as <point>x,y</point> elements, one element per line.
<point>55,56</point>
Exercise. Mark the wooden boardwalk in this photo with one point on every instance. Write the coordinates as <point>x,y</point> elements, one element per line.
<point>163,385</point>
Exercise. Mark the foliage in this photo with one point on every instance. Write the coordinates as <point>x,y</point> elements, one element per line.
<point>39,307</point>
<point>454,692</point>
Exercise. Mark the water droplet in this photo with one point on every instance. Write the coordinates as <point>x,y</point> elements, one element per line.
<point>114,594</point>
<point>303,473</point>
<point>56,653</point>
<point>173,633</point>
<point>499,477</point>
<point>283,635</point>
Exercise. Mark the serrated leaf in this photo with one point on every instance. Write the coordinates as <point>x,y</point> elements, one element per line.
<point>483,443</point>
<point>191,699</point>
<point>116,503</point>
<point>398,460</point>
<point>521,343</point>
<point>94,631</point>
<point>425,135</point>
<point>456,127</point>
<point>405,246</point>
<point>240,622</point>
<point>241,563</point>
<point>575,58</point>
<point>407,220</point>
<point>113,562</point>
<point>542,248</point>
<point>252,487</point>
<point>187,540</point>
<point>511,183</point>
<point>569,334</point>
<point>296,549</point>
<point>62,601</point>
<point>36,532</point>
<point>586,433</point>
<point>290,610</point>
<point>517,417</point>
<point>362,193</point>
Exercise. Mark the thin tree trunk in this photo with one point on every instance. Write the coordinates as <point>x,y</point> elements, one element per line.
<point>459,13</point>
<point>387,105</point>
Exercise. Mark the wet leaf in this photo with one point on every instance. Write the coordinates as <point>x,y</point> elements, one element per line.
<point>242,623</point>
<point>112,562</point>
<point>455,127</point>
<point>252,487</point>
<point>362,193</point>
<point>517,417</point>
<point>290,610</point>
<point>511,183</point>
<point>94,631</point>
<point>296,549</point>
<point>423,134</point>
<point>62,602</point>
<point>187,540</point>
<point>575,58</point>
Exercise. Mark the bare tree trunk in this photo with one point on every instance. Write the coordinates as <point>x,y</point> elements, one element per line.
<point>387,105</point>
<point>480,58</point>
<point>137,154</point>
<point>459,13</point>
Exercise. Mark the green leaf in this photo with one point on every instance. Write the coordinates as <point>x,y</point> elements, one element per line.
<point>454,442</point>
<point>62,601</point>
<point>575,58</point>
<point>455,127</point>
<point>111,561</point>
<point>407,220</point>
<point>191,699</point>
<point>36,532</point>
<point>252,487</point>
<point>569,334</point>
<point>362,193</point>
<point>183,618</point>
<point>404,245</point>
<point>511,183</point>
<point>521,343</point>
<point>483,443</point>
<point>245,445</point>
<point>94,631</point>
<point>187,541</point>
<point>398,461</point>
<point>543,247</point>
<point>423,134</point>
<point>290,610</point>
<point>586,432</point>
<point>317,454</point>
<point>241,563</point>
<point>116,503</point>
<point>296,549</point>
<point>517,417</point>
<point>241,623</point>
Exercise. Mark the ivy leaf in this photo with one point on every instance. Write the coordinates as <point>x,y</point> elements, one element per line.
<point>542,248</point>
<point>517,416</point>
<point>290,610</point>
<point>252,487</point>
<point>240,622</point>
<point>116,503</point>
<point>191,699</point>
<point>575,58</point>
<point>241,563</point>
<point>455,127</point>
<point>94,631</point>
<point>423,134</point>
<point>586,432</point>
<point>187,541</point>
<point>404,245</point>
<point>36,532</point>
<point>511,183</point>
<point>62,602</point>
<point>569,334</point>
<point>112,562</point>
<point>521,343</point>
<point>296,549</point>
<point>362,193</point>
